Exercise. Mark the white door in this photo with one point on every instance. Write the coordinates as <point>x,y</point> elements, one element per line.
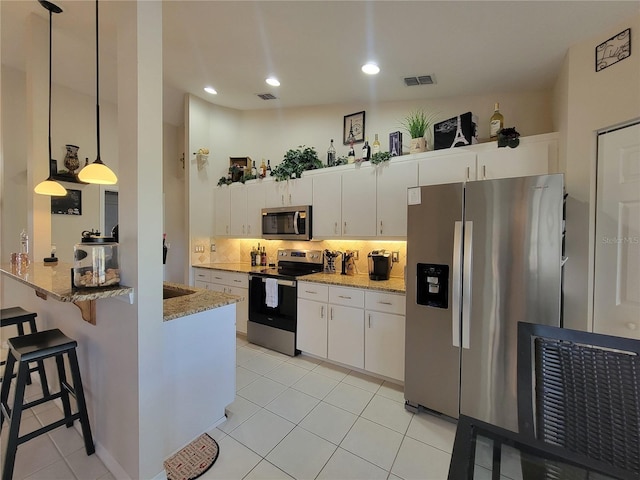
<point>327,202</point>
<point>359,203</point>
<point>238,210</point>
<point>617,251</point>
<point>392,181</point>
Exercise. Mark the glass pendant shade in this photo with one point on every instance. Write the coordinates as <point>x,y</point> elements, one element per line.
<point>98,173</point>
<point>50,187</point>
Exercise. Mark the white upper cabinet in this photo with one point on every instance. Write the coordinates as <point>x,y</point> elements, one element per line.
<point>290,193</point>
<point>359,202</point>
<point>392,181</point>
<point>238,210</point>
<point>327,205</point>
<point>534,156</point>
<point>255,204</point>
<point>447,168</point>
<point>222,210</point>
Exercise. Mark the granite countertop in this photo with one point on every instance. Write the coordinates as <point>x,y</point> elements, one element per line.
<point>196,300</point>
<point>393,285</point>
<point>238,267</point>
<point>55,282</point>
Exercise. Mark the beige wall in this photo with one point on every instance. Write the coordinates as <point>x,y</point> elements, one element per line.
<point>584,103</point>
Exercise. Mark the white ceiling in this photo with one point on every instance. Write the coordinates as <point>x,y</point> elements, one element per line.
<point>316,48</point>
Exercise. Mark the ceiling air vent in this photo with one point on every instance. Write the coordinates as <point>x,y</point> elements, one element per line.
<point>266,96</point>
<point>421,80</point>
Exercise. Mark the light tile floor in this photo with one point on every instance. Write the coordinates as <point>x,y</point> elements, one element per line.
<point>292,418</point>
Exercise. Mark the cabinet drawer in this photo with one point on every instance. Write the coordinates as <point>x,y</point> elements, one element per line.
<point>231,279</point>
<point>313,291</point>
<point>202,274</point>
<point>385,302</point>
<point>349,297</point>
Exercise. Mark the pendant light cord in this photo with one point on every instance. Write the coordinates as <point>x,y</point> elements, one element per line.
<point>97,91</point>
<point>50,38</point>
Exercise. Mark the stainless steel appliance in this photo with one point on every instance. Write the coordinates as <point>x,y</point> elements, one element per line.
<point>481,256</point>
<point>287,223</point>
<point>273,299</point>
<point>379,265</point>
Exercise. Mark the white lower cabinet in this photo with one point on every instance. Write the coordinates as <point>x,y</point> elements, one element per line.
<point>384,334</point>
<point>233,283</point>
<point>313,309</point>
<point>360,328</point>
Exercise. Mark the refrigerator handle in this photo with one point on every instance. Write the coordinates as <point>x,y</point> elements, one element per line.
<point>467,256</point>
<point>456,284</point>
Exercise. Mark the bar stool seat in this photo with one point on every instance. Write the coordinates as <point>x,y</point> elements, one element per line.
<point>18,316</point>
<point>36,347</point>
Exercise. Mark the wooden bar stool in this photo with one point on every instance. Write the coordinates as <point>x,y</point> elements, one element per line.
<point>27,349</point>
<point>18,316</point>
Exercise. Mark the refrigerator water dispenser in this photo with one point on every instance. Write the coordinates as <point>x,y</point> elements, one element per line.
<point>433,285</point>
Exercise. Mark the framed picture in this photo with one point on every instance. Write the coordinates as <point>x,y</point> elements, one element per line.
<point>395,144</point>
<point>70,204</point>
<point>613,50</point>
<point>353,128</point>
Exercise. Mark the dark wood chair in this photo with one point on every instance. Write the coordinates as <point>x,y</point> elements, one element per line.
<point>581,391</point>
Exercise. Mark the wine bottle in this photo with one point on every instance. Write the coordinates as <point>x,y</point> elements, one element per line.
<point>331,155</point>
<point>366,151</point>
<point>496,123</point>
<point>376,145</point>
<point>351,157</point>
<point>268,167</point>
<point>263,169</point>
<point>254,170</point>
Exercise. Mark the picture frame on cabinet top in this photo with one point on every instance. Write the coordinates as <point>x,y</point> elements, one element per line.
<point>353,128</point>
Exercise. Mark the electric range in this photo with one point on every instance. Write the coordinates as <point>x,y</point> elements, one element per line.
<point>273,299</point>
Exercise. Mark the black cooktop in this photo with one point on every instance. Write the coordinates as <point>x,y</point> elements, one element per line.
<point>289,272</point>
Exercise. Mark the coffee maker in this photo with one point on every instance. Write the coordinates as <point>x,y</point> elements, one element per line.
<point>379,265</point>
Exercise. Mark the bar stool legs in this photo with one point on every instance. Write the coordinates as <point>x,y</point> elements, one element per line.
<point>33,348</point>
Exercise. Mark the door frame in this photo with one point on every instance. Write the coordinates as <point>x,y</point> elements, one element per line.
<point>593,213</point>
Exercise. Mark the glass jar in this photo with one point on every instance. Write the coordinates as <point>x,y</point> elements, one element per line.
<point>96,262</point>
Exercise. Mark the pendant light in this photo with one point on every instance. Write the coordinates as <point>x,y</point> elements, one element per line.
<point>50,186</point>
<point>97,172</point>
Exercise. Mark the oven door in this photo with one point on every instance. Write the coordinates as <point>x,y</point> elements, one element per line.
<point>284,315</point>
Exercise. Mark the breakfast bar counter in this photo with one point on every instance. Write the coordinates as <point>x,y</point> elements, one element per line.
<point>55,282</point>
<point>181,300</point>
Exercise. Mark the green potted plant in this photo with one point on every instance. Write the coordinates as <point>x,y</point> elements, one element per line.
<point>417,123</point>
<point>295,162</point>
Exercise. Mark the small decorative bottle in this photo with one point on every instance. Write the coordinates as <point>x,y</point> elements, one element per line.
<point>263,169</point>
<point>496,123</point>
<point>351,157</point>
<point>366,151</point>
<point>254,170</point>
<point>331,155</point>
<point>268,167</point>
<point>376,145</point>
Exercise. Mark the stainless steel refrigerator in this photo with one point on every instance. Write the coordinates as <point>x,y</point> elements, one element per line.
<point>481,256</point>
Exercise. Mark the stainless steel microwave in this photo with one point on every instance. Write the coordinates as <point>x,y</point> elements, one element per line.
<point>287,223</point>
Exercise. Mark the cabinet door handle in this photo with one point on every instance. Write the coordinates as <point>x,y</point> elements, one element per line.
<point>468,172</point>
<point>289,199</point>
<point>282,199</point>
<point>322,311</point>
<point>344,296</point>
<point>385,303</point>
<point>484,172</point>
<point>248,229</point>
<point>243,231</point>
<point>311,292</point>
<point>227,229</point>
<point>240,281</point>
<point>380,226</point>
<point>335,228</point>
<point>331,313</point>
<point>345,228</point>
<point>369,320</point>
<point>218,278</point>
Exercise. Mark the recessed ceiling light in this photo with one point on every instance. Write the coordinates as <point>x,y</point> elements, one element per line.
<point>210,90</point>
<point>273,81</point>
<point>370,68</point>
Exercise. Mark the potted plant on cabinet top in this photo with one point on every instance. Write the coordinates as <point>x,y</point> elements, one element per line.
<point>295,162</point>
<point>417,123</point>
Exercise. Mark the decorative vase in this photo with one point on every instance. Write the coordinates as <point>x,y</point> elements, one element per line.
<point>418,145</point>
<point>71,161</point>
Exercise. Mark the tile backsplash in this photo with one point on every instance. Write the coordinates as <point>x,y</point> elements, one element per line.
<point>238,250</point>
